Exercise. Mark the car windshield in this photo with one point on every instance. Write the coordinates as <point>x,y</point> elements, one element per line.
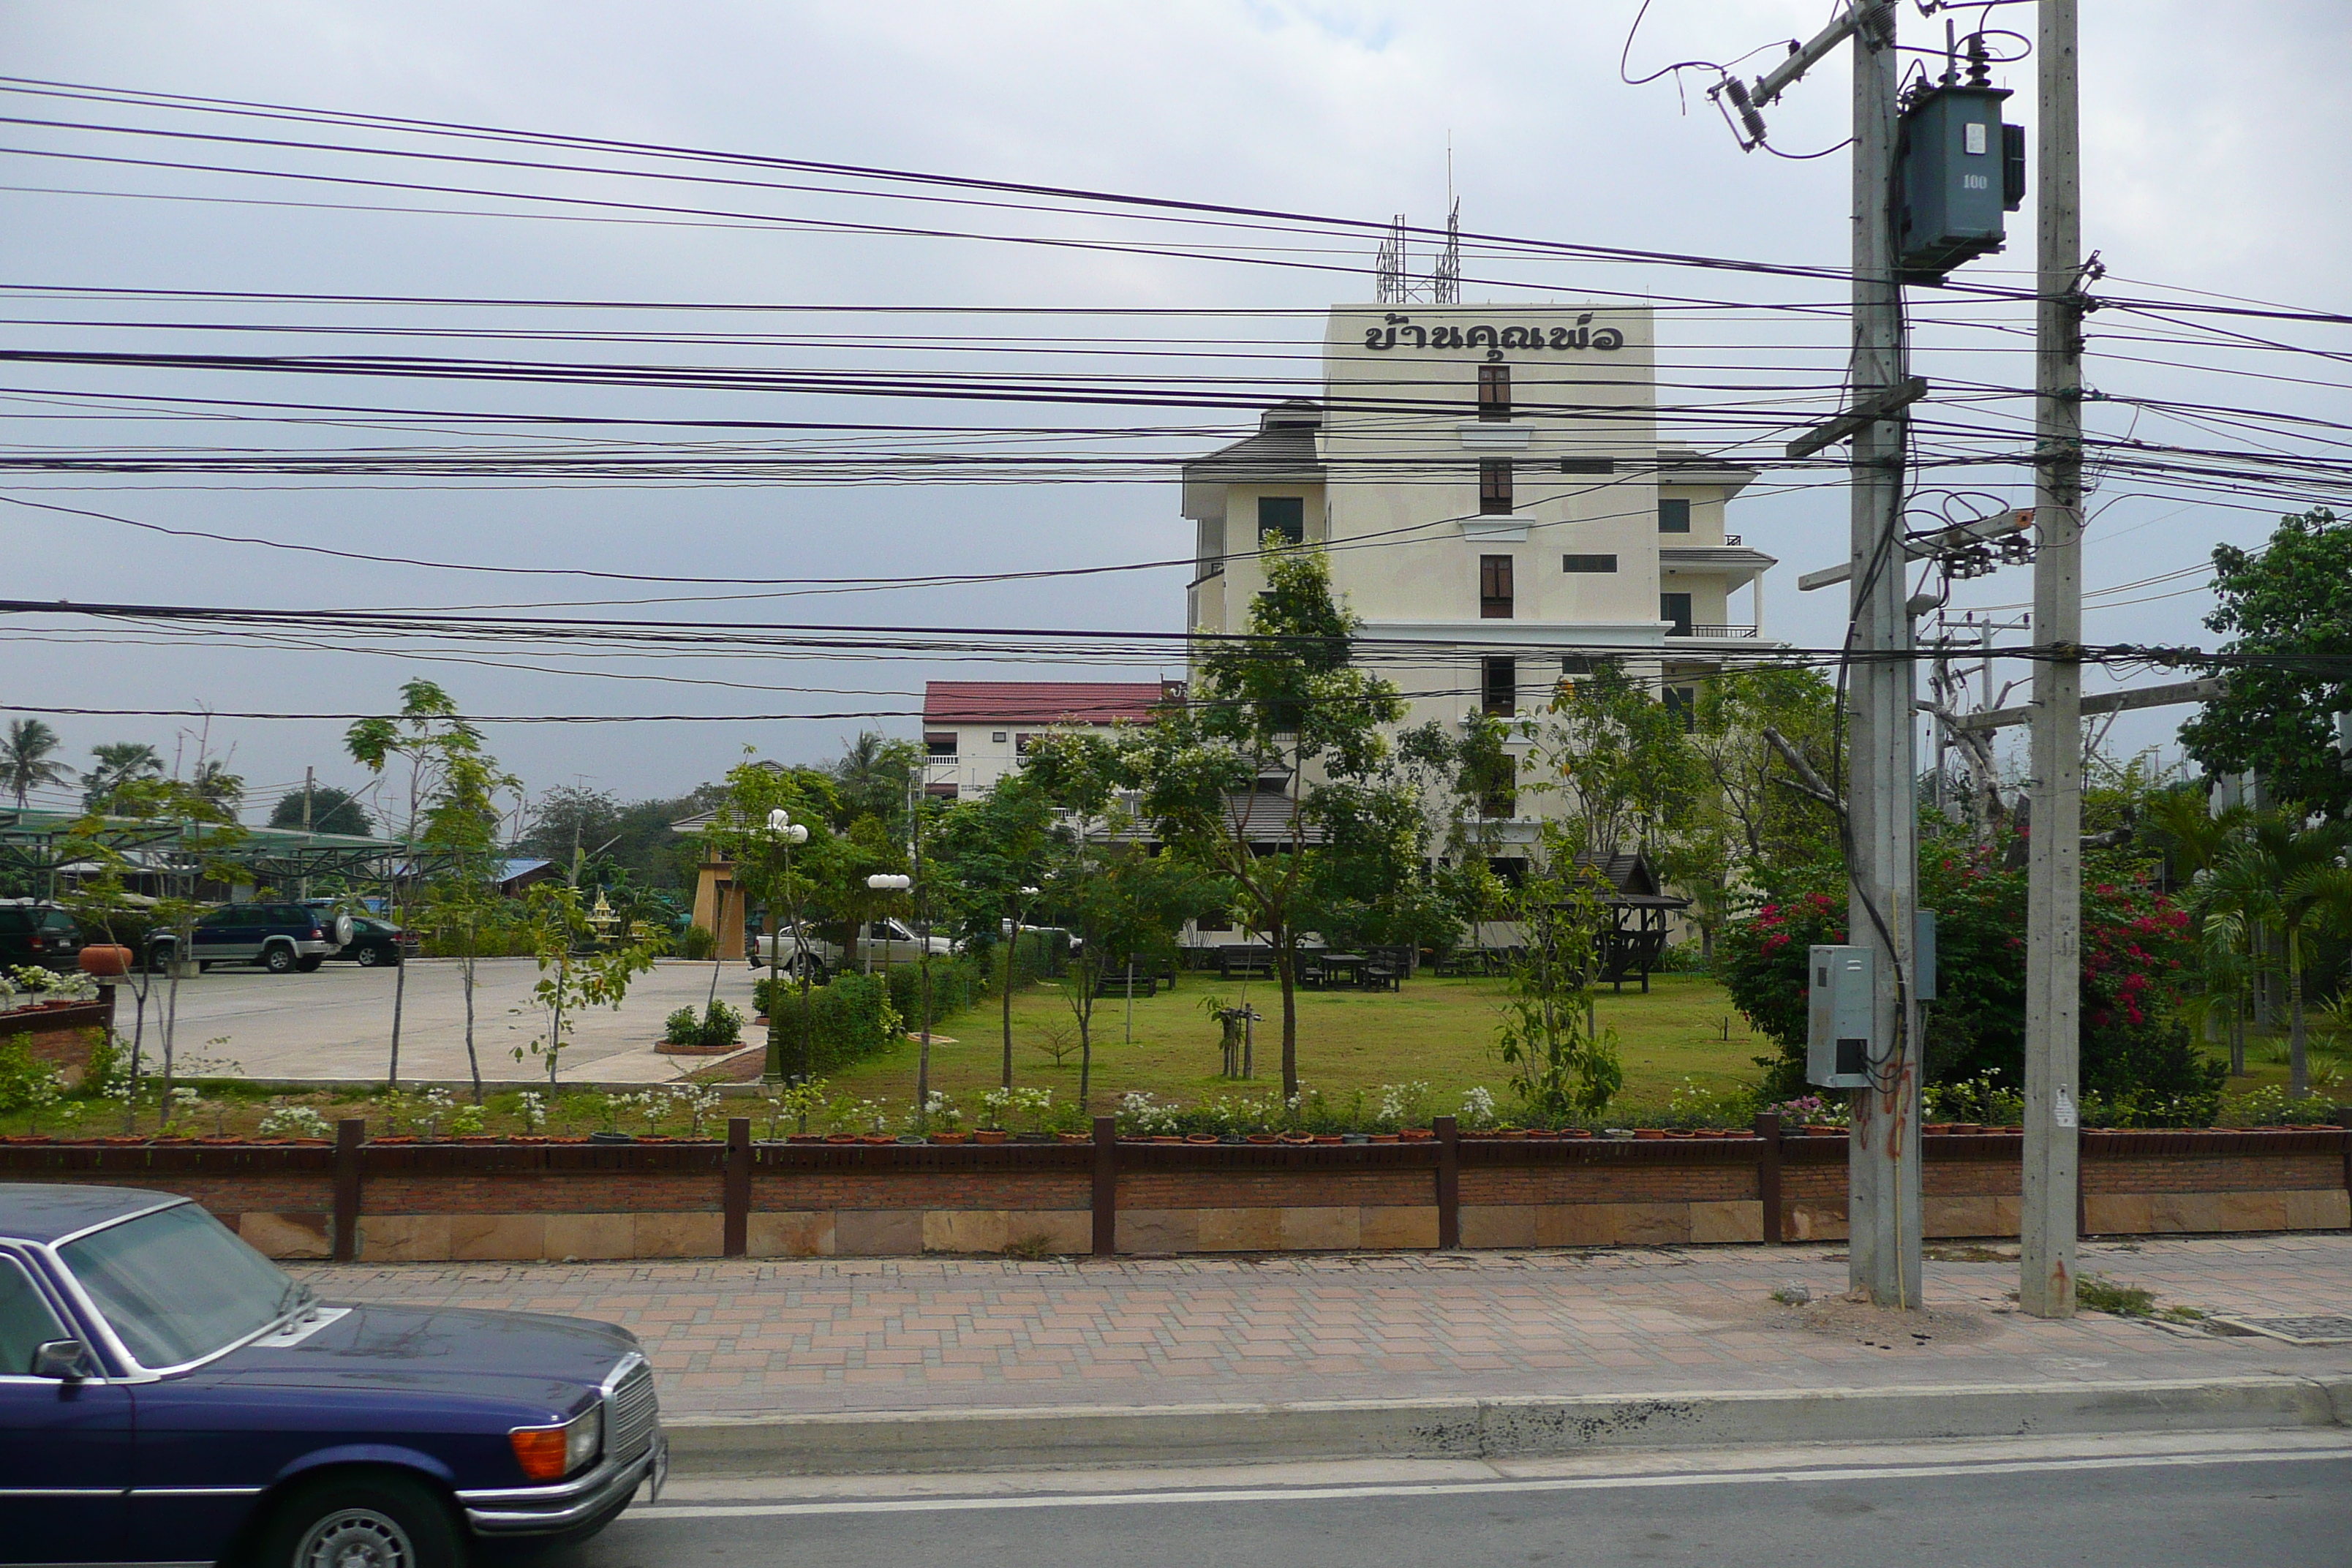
<point>176,1285</point>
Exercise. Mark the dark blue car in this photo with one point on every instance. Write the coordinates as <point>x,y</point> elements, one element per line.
<point>167,1395</point>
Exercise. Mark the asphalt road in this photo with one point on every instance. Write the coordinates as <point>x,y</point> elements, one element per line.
<point>2279,1502</point>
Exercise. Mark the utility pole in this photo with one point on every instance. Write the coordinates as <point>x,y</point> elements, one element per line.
<point>309,777</point>
<point>1883,860</point>
<point>2054,872</point>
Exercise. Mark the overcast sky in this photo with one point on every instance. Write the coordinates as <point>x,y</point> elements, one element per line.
<point>2213,160</point>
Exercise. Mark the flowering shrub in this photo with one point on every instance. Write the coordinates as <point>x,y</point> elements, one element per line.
<point>2137,1060</point>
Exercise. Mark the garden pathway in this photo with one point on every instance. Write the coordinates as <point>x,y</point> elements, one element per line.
<point>799,1337</point>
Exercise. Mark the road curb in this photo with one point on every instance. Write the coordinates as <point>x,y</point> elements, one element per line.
<point>1531,1426</point>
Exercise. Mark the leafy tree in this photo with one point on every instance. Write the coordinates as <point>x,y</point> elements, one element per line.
<point>786,877</point>
<point>332,810</point>
<point>213,782</point>
<point>460,838</point>
<point>26,762</point>
<point>572,979</point>
<point>2295,884</point>
<point>117,764</point>
<point>448,773</point>
<point>994,849</point>
<point>2290,603</point>
<point>1259,775</point>
<point>872,774</point>
<point>1622,758</point>
<point>1562,1062</point>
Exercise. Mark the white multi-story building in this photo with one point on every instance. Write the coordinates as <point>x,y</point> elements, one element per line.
<point>975,731</point>
<point>1497,506</point>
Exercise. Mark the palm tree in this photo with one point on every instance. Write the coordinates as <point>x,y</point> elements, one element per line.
<point>216,784</point>
<point>118,765</point>
<point>2300,864</point>
<point>24,763</point>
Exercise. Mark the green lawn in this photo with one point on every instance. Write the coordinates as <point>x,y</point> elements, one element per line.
<point>1438,1031</point>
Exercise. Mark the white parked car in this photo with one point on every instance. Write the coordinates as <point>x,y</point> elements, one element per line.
<point>879,942</point>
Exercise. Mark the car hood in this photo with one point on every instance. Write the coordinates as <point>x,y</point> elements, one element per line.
<point>524,1356</point>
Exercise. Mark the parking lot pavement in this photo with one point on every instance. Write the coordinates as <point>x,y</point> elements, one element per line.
<point>336,1024</point>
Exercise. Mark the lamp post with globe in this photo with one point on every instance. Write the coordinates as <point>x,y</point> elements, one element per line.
<point>787,833</point>
<point>899,883</point>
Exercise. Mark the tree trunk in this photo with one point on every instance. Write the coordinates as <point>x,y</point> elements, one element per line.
<point>555,1026</point>
<point>399,994</point>
<point>1286,969</point>
<point>1011,948</point>
<point>137,1039</point>
<point>466,977</point>
<point>2298,1068</point>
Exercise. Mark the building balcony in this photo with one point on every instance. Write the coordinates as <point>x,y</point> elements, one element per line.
<point>1699,629</point>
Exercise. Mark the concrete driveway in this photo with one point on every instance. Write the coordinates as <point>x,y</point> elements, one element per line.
<point>335,1025</point>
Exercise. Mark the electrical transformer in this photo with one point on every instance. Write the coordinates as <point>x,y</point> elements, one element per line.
<point>1959,169</point>
<point>1842,1006</point>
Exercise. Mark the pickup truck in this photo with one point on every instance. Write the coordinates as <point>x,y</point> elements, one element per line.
<point>168,1395</point>
<point>882,941</point>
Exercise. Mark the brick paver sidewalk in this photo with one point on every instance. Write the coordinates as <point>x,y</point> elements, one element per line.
<point>906,1334</point>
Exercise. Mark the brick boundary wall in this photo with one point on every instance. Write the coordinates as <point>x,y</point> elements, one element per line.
<point>395,1201</point>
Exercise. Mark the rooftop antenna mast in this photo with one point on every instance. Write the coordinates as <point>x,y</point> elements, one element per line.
<point>1388,267</point>
<point>1445,276</point>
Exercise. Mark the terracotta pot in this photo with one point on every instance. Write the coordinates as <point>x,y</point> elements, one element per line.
<point>950,1139</point>
<point>841,1137</point>
<point>1680,1132</point>
<point>1713,1132</point>
<point>1330,1137</point>
<point>803,1137</point>
<point>1543,1131</point>
<point>1199,1137</point>
<point>1967,1128</point>
<point>1387,1137</point>
<point>1508,1132</point>
<point>876,1139</point>
<point>105,960</point>
<point>1165,1138</point>
<point>989,1135</point>
<point>1416,1135</point>
<point>396,1138</point>
<point>1576,1131</point>
<point>1298,1137</point>
<point>1938,1128</point>
<point>1649,1132</point>
<point>1073,1137</point>
<point>1262,1137</point>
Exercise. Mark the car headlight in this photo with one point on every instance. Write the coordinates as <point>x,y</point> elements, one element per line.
<point>551,1453</point>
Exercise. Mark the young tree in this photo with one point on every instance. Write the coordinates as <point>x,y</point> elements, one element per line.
<point>1244,778</point>
<point>1562,1063</point>
<point>994,849</point>
<point>1622,758</point>
<point>460,837</point>
<point>2291,605</point>
<point>570,978</point>
<point>26,759</point>
<point>438,746</point>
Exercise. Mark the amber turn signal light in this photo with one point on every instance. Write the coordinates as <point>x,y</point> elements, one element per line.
<point>540,1450</point>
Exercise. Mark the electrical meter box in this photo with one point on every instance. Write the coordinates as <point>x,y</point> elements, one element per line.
<point>1959,169</point>
<point>1840,1008</point>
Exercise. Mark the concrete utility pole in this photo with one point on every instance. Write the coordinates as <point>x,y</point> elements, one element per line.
<point>2054,872</point>
<point>1882,860</point>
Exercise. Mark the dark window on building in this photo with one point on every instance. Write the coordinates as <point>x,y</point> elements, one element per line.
<point>1494,392</point>
<point>1214,920</point>
<point>1495,587</point>
<point>1498,796</point>
<point>1588,563</point>
<point>1498,686</point>
<point>1588,465</point>
<point>1674,516</point>
<point>1495,486</point>
<point>1511,868</point>
<point>1284,515</point>
<point>940,745</point>
<point>940,791</point>
<point>1020,742</point>
<point>1683,699</point>
<point>1579,664</point>
<point>1676,608</point>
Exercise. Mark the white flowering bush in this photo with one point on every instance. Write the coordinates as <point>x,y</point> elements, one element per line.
<point>533,1109</point>
<point>1401,1105</point>
<point>1140,1113</point>
<point>294,1121</point>
<point>1477,1106</point>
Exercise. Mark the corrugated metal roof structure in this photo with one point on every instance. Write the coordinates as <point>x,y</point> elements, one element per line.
<point>1045,701</point>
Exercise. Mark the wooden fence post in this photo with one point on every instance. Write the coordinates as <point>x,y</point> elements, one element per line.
<point>735,1238</point>
<point>350,1133</point>
<point>1106,1199</point>
<point>1767,1170</point>
<point>1449,1181</point>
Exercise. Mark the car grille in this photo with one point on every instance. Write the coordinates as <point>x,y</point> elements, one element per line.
<point>631,1412</point>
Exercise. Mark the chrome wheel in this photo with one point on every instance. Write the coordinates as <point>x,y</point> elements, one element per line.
<point>355,1538</point>
<point>366,958</point>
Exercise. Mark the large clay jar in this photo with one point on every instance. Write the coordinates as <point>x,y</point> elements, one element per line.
<point>105,961</point>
